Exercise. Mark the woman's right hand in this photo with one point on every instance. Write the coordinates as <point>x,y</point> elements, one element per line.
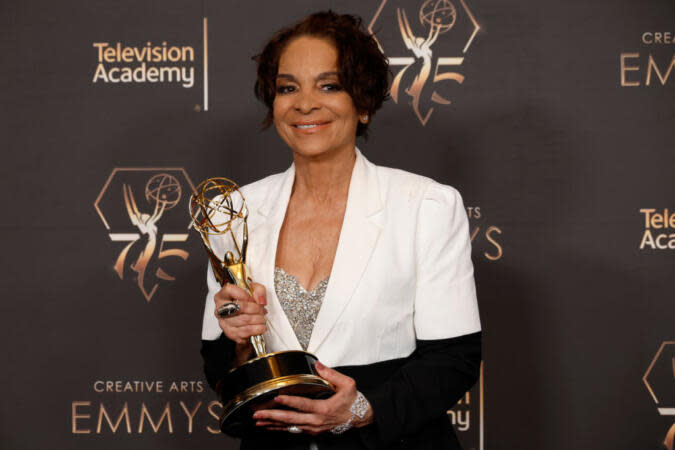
<point>250,320</point>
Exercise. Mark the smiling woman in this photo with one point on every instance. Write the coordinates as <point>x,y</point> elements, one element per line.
<point>312,112</point>
<point>360,67</point>
<point>368,268</point>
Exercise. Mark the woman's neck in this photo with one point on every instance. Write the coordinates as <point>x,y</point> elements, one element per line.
<point>323,178</point>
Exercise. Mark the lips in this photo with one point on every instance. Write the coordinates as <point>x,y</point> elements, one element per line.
<point>309,126</point>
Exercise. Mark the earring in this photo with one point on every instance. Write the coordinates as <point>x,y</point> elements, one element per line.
<point>364,118</point>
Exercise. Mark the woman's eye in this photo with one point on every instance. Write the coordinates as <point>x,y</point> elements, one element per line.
<point>331,87</point>
<point>285,89</point>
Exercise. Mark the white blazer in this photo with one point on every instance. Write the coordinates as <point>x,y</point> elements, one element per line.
<point>402,270</point>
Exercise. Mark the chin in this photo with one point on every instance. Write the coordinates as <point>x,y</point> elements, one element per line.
<point>310,151</point>
<point>312,146</point>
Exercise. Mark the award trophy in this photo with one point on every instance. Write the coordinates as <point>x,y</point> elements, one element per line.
<point>219,209</point>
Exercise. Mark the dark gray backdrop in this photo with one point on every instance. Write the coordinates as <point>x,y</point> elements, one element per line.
<point>541,137</point>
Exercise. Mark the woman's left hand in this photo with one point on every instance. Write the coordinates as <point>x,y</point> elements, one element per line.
<point>315,416</point>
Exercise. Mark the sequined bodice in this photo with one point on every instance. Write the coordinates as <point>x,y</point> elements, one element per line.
<point>301,307</point>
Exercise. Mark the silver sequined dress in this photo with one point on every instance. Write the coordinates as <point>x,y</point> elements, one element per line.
<point>301,307</point>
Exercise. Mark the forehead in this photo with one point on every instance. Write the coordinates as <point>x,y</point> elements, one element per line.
<point>307,56</point>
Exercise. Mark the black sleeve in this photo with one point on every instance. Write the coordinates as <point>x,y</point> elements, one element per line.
<point>436,376</point>
<point>218,356</point>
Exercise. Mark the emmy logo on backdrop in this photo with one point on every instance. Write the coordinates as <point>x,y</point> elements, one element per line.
<point>164,191</point>
<point>660,382</point>
<point>136,205</point>
<point>436,17</point>
<point>440,16</point>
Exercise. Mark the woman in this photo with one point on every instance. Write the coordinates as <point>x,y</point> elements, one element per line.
<point>366,267</point>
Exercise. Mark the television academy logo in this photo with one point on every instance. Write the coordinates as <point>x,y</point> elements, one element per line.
<point>124,63</point>
<point>423,72</point>
<point>659,229</point>
<point>660,382</point>
<point>117,63</point>
<point>131,205</point>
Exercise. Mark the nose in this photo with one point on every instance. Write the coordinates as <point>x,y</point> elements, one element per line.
<point>306,101</point>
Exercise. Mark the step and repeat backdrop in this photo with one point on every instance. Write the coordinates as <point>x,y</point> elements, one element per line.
<point>555,120</point>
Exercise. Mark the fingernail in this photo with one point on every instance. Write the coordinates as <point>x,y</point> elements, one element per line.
<point>256,415</point>
<point>319,365</point>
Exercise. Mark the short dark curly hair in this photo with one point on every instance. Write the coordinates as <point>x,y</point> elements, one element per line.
<point>363,68</point>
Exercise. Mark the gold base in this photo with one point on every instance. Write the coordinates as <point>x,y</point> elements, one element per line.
<point>291,379</point>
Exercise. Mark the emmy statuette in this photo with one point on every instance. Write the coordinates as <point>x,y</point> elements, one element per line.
<point>219,209</point>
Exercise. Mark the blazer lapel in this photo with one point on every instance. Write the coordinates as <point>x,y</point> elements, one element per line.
<point>358,236</point>
<point>264,236</point>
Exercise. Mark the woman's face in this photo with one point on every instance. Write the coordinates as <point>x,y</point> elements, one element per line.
<point>312,113</point>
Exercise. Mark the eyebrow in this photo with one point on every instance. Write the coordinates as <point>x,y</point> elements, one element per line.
<point>321,76</point>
